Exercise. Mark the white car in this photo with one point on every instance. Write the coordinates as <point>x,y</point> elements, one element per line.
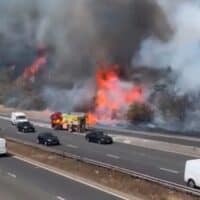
<point>192,173</point>
<point>17,117</point>
<point>3,149</point>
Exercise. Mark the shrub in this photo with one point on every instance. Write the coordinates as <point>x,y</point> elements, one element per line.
<point>173,106</point>
<point>139,113</point>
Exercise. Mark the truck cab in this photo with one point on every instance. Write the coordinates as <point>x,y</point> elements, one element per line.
<point>18,117</point>
<point>56,120</point>
<point>68,121</point>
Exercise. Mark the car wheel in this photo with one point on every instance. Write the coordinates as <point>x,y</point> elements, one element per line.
<point>191,183</point>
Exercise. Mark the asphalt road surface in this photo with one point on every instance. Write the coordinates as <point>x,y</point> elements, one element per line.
<point>187,140</point>
<point>22,181</point>
<point>163,165</point>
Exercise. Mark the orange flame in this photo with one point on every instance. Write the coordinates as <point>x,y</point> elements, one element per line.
<point>113,95</point>
<point>31,71</point>
<point>91,119</point>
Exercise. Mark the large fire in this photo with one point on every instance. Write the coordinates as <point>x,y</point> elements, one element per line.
<point>113,96</point>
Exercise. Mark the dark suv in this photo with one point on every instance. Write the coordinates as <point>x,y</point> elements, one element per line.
<point>47,139</point>
<point>25,127</point>
<point>98,137</point>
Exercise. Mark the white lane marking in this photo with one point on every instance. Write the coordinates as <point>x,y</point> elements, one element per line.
<point>169,170</point>
<point>60,198</point>
<point>127,141</point>
<point>72,146</point>
<point>12,175</point>
<point>5,118</point>
<point>43,125</point>
<point>72,177</point>
<point>113,156</point>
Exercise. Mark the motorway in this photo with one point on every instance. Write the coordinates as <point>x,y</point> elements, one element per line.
<point>20,180</point>
<point>186,138</point>
<point>163,165</point>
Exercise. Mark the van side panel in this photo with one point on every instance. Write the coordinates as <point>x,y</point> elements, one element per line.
<point>198,175</point>
<point>3,149</point>
<point>192,171</point>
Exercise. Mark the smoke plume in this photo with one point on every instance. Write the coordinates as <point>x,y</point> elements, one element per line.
<point>77,34</point>
<point>181,52</point>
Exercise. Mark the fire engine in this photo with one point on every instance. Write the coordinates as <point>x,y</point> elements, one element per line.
<point>68,121</point>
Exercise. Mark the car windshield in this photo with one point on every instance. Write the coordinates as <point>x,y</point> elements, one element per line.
<point>26,124</point>
<point>47,135</point>
<point>20,117</point>
<point>99,134</point>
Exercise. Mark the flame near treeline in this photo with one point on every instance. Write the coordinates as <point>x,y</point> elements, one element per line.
<point>113,96</point>
<point>128,36</point>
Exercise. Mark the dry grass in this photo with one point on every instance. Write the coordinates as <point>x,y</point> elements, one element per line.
<point>112,179</point>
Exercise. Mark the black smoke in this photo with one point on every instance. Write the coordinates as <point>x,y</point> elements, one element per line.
<point>77,35</point>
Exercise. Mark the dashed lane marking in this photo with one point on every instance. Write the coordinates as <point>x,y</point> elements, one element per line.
<point>60,198</point>
<point>12,175</point>
<point>113,156</point>
<point>169,170</point>
<point>72,146</point>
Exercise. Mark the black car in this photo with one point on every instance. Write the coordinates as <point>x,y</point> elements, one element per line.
<point>47,139</point>
<point>98,137</point>
<point>25,127</point>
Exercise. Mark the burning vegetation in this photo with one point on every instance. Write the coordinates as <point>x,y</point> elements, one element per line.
<point>32,71</point>
<point>113,95</point>
<point>138,40</point>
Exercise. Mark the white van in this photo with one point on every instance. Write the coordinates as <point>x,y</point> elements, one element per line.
<point>17,117</point>
<point>192,173</point>
<point>3,149</point>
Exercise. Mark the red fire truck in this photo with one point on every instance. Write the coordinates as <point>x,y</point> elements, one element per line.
<point>71,121</point>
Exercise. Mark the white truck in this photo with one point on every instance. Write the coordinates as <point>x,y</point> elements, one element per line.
<point>3,149</point>
<point>17,117</point>
<point>192,173</point>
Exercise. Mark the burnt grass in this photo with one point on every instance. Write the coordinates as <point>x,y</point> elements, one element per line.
<point>126,184</point>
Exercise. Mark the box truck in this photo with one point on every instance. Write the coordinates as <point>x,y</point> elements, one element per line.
<point>17,117</point>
